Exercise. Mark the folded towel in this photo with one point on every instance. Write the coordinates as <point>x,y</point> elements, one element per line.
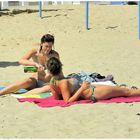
<point>39,95</point>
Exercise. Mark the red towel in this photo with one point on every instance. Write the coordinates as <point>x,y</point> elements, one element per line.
<point>51,102</point>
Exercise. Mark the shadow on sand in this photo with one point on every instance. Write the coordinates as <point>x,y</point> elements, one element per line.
<point>4,64</point>
<point>18,11</point>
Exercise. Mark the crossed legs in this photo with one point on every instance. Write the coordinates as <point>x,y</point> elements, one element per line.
<point>106,92</point>
<point>28,83</point>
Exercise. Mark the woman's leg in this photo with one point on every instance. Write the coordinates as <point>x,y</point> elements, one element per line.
<point>27,83</point>
<point>45,88</point>
<point>106,92</point>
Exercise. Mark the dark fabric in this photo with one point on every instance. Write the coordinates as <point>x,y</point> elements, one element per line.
<point>91,77</point>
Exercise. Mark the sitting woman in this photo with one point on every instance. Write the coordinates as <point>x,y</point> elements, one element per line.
<point>37,57</point>
<point>71,90</point>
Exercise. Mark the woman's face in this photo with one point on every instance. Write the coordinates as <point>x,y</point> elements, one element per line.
<point>47,47</point>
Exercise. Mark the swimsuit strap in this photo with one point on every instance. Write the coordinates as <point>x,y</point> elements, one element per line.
<point>52,81</point>
<point>92,94</point>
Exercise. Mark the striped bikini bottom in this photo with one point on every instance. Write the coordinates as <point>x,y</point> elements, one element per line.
<point>92,97</point>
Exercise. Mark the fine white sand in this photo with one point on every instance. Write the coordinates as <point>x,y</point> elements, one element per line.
<point>111,46</point>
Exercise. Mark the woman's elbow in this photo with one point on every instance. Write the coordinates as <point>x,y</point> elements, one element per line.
<point>68,101</point>
<point>20,62</point>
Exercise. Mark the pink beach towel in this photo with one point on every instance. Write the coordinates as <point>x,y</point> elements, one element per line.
<point>51,102</point>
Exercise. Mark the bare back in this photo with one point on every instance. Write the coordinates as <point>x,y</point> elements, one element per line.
<point>71,84</point>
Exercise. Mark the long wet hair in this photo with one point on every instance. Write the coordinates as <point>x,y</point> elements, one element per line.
<point>54,66</point>
<point>46,38</point>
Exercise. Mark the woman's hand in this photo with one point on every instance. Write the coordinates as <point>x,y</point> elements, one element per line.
<point>40,69</point>
<point>85,85</point>
<point>41,73</point>
<point>37,65</point>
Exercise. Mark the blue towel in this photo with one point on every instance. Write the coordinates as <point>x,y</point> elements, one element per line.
<point>20,90</point>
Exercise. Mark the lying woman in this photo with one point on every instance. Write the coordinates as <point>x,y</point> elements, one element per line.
<point>71,90</point>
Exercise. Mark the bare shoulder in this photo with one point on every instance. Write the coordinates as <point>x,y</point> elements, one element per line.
<point>63,83</point>
<point>34,51</point>
<point>30,53</point>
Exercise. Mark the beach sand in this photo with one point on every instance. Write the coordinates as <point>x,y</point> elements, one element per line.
<point>111,46</point>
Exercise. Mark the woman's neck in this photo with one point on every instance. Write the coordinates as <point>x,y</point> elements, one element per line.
<point>59,77</point>
<point>42,52</point>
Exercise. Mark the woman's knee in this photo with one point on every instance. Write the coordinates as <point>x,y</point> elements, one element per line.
<point>30,81</point>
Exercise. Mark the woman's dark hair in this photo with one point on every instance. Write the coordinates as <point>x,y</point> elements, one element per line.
<point>54,66</point>
<point>46,38</point>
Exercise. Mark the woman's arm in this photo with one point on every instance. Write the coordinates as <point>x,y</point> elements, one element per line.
<point>25,59</point>
<point>65,90</point>
<point>44,77</point>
